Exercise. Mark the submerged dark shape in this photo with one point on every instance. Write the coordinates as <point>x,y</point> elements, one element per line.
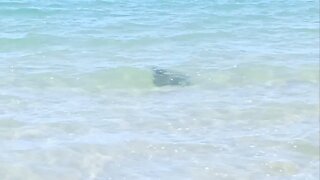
<point>163,77</point>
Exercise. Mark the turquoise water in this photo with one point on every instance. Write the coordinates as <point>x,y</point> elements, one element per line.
<point>78,98</point>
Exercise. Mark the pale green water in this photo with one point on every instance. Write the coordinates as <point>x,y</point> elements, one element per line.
<point>78,101</point>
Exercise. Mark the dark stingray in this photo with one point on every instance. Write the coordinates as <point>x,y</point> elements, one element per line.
<point>163,77</point>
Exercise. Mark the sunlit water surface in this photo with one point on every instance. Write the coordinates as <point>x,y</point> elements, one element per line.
<point>77,98</point>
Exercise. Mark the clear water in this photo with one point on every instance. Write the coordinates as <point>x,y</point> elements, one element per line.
<point>77,98</point>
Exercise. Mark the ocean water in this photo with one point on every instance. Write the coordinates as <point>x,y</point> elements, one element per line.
<point>78,98</point>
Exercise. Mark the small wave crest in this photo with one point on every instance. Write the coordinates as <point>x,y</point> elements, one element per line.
<point>259,75</point>
<point>115,78</point>
<point>148,78</point>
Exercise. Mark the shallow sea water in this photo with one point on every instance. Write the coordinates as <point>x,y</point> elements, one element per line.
<point>77,98</point>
